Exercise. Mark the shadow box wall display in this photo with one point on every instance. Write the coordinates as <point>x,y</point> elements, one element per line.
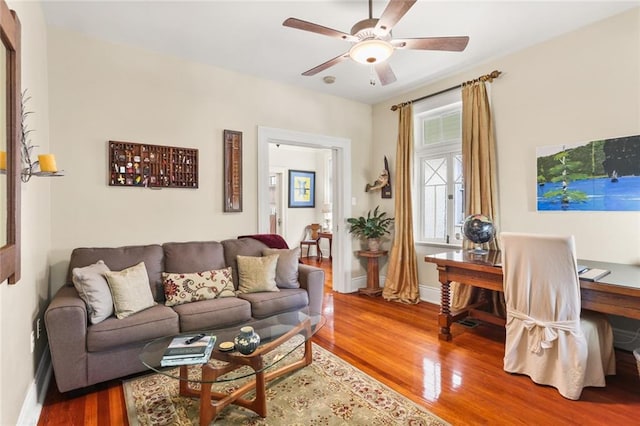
<point>155,166</point>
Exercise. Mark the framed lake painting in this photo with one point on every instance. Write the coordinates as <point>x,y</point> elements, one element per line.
<point>601,175</point>
<point>302,188</point>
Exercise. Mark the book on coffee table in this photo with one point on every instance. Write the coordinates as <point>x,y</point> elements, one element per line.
<point>180,352</point>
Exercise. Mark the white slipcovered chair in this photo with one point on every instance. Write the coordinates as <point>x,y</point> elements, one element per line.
<point>547,338</point>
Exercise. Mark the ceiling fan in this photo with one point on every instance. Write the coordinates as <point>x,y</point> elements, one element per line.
<point>373,43</point>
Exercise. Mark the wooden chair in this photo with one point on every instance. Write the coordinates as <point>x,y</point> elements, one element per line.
<point>311,238</point>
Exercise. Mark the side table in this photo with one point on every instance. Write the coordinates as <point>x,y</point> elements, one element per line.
<point>373,274</point>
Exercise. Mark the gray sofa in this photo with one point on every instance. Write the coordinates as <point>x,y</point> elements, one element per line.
<point>84,354</point>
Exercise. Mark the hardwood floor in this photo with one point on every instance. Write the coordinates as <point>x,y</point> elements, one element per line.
<point>461,381</point>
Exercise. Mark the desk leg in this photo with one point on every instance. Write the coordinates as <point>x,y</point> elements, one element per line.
<point>444,319</point>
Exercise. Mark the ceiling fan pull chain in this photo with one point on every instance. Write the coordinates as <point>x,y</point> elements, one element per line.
<point>372,76</point>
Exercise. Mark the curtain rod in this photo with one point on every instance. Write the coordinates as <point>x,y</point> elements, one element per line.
<point>487,77</point>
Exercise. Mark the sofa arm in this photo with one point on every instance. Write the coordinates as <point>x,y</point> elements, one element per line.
<point>312,280</point>
<point>66,322</point>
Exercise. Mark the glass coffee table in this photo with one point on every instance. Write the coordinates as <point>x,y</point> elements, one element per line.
<point>280,336</point>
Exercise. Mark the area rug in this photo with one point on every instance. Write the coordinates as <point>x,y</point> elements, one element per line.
<point>328,392</point>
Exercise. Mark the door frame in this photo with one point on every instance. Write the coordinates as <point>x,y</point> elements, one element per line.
<point>341,147</point>
<point>281,198</point>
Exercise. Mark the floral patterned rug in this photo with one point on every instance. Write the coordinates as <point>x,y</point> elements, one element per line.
<point>328,392</point>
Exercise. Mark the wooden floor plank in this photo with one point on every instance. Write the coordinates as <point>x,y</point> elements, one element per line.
<point>461,381</point>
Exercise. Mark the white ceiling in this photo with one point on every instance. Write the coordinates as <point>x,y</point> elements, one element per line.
<point>248,36</point>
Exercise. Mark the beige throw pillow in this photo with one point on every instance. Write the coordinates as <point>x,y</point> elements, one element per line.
<point>130,290</point>
<point>287,267</point>
<point>93,288</point>
<point>185,288</point>
<point>257,274</point>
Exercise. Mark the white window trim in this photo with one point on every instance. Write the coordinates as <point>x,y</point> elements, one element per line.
<point>419,109</point>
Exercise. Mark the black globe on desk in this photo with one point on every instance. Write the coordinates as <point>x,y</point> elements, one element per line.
<point>478,229</point>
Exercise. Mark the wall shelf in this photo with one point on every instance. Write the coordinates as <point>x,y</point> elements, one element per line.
<point>154,166</point>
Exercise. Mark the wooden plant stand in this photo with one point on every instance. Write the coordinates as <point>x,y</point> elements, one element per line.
<point>373,274</point>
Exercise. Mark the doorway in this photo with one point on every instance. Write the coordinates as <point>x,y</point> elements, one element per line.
<point>341,191</point>
<point>277,219</point>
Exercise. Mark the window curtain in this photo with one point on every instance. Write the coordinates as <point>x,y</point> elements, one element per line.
<point>480,183</point>
<point>401,283</point>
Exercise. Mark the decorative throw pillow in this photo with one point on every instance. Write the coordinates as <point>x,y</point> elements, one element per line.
<point>287,267</point>
<point>257,274</point>
<point>93,289</point>
<point>130,290</point>
<point>185,288</point>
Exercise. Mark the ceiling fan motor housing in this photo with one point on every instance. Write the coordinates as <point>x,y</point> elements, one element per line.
<point>365,30</point>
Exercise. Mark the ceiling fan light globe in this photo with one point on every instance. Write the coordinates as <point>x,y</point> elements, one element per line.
<point>370,52</point>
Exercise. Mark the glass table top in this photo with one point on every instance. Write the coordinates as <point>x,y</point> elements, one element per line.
<point>269,329</point>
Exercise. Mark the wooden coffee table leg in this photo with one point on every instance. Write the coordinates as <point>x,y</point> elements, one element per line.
<point>212,403</point>
<point>208,411</point>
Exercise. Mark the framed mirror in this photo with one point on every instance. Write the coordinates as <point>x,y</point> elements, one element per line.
<point>10,146</point>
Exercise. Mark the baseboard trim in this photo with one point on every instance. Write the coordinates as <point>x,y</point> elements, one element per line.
<point>429,294</point>
<point>33,401</point>
<point>361,282</point>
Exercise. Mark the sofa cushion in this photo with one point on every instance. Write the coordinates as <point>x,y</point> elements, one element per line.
<point>214,313</point>
<point>119,258</point>
<point>186,288</point>
<point>257,273</point>
<point>266,304</point>
<point>242,247</point>
<point>93,288</point>
<point>287,268</point>
<point>130,290</point>
<point>193,256</point>
<point>151,323</point>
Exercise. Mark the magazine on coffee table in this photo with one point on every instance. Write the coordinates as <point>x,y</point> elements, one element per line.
<point>188,349</point>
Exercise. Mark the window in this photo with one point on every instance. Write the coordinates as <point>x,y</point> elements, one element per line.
<point>438,169</point>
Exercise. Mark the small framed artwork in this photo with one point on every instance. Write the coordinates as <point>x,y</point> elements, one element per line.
<point>302,188</point>
<point>232,171</point>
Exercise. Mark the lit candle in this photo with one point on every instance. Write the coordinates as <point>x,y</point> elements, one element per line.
<point>3,160</point>
<point>47,163</point>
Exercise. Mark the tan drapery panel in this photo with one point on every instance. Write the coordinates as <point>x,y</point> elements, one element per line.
<point>401,283</point>
<point>480,182</point>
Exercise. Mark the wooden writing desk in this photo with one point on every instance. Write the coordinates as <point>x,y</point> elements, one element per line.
<point>617,293</point>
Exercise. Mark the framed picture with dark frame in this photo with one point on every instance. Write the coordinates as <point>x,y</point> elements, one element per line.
<point>302,189</point>
<point>232,171</point>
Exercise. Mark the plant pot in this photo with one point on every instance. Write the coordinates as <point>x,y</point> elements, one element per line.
<point>373,244</point>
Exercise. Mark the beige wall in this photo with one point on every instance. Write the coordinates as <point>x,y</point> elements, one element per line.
<point>22,304</point>
<point>101,91</point>
<point>579,87</point>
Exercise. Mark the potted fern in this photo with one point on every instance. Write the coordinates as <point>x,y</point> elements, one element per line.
<point>372,227</point>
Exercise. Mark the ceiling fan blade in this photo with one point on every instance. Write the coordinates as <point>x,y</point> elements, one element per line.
<point>454,44</point>
<point>394,11</point>
<point>318,29</point>
<point>324,66</point>
<point>385,73</point>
